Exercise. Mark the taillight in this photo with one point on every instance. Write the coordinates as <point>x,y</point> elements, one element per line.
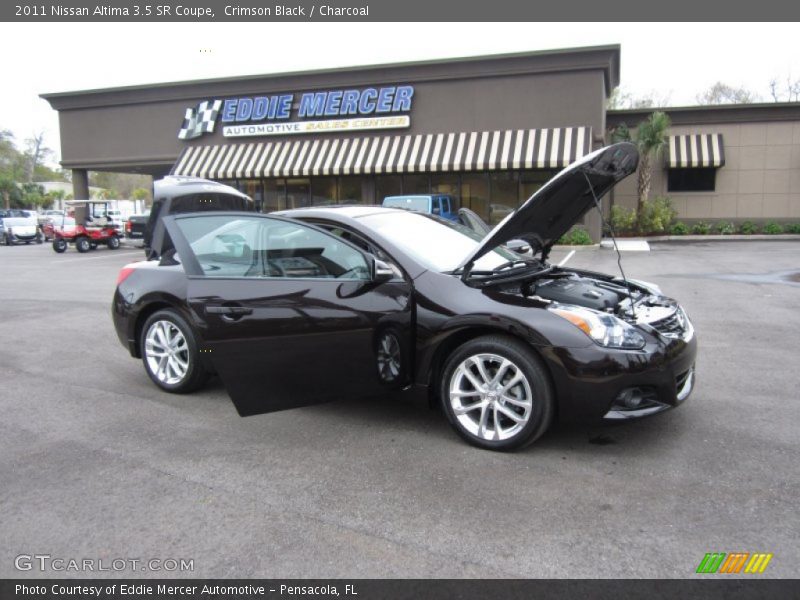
<point>128,227</point>
<point>124,274</point>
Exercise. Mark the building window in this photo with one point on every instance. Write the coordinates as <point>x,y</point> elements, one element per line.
<point>416,184</point>
<point>691,180</point>
<point>475,193</point>
<point>355,190</point>
<point>298,192</point>
<point>323,191</point>
<point>387,185</point>
<point>504,194</point>
<point>274,195</point>
<point>447,183</point>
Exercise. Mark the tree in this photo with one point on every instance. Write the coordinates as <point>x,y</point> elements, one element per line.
<point>621,99</point>
<point>651,139</point>
<point>56,197</point>
<point>33,195</point>
<point>620,133</point>
<point>722,93</point>
<point>123,184</point>
<point>36,153</point>
<point>787,92</point>
<point>7,187</point>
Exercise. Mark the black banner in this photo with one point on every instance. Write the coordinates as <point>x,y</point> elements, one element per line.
<point>741,588</point>
<point>391,10</point>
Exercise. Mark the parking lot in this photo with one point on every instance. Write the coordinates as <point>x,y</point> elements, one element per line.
<point>96,462</point>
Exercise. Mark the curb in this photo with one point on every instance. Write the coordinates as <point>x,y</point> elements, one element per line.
<point>736,237</point>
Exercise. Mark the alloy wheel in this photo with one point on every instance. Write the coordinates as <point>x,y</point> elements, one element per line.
<point>167,352</point>
<point>490,396</point>
<point>389,357</point>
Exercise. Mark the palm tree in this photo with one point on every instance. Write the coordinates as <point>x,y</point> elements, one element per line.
<point>651,139</point>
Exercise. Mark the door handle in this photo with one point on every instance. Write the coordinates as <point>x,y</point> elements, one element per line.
<point>229,311</point>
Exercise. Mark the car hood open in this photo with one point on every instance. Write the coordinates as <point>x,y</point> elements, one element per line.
<point>562,201</point>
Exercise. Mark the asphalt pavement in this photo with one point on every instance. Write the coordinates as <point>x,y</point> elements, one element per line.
<point>97,463</point>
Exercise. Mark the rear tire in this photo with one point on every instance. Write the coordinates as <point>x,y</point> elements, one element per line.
<point>82,245</point>
<point>113,242</point>
<point>496,393</point>
<point>170,354</point>
<point>59,245</point>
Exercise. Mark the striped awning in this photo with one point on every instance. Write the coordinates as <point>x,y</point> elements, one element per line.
<point>698,150</point>
<point>419,153</point>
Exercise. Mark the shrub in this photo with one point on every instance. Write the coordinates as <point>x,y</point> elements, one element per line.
<point>748,228</point>
<point>725,228</point>
<point>623,219</point>
<point>657,215</point>
<point>773,228</point>
<point>793,228</point>
<point>679,228</point>
<point>701,228</point>
<point>576,237</point>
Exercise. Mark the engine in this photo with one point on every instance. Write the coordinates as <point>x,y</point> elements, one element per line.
<point>636,303</point>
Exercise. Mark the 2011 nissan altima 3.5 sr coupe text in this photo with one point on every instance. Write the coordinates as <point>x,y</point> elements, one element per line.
<point>310,305</point>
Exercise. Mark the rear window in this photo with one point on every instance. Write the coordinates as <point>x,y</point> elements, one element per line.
<point>418,203</point>
<point>203,202</point>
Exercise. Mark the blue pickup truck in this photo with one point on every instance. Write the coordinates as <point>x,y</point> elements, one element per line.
<point>441,205</point>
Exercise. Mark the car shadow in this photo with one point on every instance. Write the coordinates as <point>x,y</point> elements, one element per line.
<point>410,411</point>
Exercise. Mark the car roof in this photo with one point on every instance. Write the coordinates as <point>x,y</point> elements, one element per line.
<point>179,185</point>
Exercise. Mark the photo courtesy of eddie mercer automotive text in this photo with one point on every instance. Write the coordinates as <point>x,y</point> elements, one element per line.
<point>308,305</point>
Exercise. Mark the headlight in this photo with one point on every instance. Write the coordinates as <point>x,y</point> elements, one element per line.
<point>606,330</point>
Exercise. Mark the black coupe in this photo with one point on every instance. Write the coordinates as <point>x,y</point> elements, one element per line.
<point>310,305</point>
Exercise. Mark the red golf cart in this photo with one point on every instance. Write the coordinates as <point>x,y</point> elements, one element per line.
<point>86,224</point>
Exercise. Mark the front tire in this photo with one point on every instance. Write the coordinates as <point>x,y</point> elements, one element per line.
<point>113,242</point>
<point>82,245</point>
<point>59,245</point>
<point>170,353</point>
<point>496,393</point>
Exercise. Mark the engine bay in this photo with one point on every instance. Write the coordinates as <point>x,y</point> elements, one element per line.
<point>632,302</point>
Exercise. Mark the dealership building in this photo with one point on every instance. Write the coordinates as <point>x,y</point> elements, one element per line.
<point>487,130</point>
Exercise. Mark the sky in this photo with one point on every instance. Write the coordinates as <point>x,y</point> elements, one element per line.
<point>676,60</point>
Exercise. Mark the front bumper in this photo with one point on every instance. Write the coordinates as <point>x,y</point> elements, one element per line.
<point>22,237</point>
<point>593,383</point>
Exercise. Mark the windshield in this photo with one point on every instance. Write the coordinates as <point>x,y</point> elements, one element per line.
<point>436,244</point>
<point>417,203</point>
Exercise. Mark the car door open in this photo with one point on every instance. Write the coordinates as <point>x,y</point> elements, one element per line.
<point>289,315</point>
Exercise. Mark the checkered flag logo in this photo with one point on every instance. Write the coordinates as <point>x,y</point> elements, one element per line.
<point>200,119</point>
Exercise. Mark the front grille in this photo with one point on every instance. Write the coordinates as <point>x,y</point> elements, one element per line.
<point>673,326</point>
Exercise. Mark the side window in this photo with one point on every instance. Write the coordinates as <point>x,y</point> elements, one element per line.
<point>364,244</point>
<point>445,204</point>
<point>263,247</point>
<point>436,206</point>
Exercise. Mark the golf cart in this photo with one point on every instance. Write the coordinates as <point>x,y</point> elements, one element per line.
<point>86,224</point>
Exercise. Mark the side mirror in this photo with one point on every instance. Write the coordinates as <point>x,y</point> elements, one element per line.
<point>436,210</point>
<point>381,271</point>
